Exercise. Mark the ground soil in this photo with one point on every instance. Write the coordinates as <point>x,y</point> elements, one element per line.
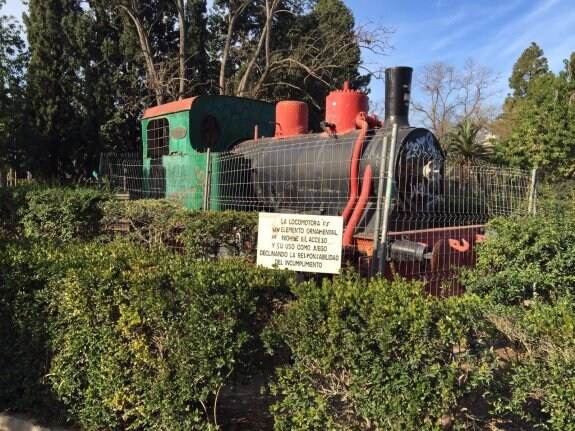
<point>243,407</point>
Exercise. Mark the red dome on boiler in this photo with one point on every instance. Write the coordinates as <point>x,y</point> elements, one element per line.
<point>342,108</point>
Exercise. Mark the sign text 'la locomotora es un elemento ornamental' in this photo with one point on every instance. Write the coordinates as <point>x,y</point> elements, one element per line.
<point>306,243</point>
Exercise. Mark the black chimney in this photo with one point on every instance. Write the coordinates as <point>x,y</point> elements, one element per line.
<point>397,95</point>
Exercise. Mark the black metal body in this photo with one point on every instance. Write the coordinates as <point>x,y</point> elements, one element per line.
<point>314,175</point>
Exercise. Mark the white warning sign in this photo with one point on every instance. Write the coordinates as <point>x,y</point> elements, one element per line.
<point>306,243</point>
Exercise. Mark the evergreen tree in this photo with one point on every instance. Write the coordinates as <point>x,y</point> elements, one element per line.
<point>112,91</point>
<point>278,49</point>
<point>13,58</point>
<point>530,64</point>
<point>333,18</point>
<point>334,22</point>
<point>197,59</point>
<point>543,135</point>
<point>53,80</point>
<point>314,51</point>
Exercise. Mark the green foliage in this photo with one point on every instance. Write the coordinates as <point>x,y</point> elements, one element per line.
<point>23,332</point>
<point>63,214</point>
<point>313,47</point>
<point>197,41</point>
<point>205,234</point>
<point>527,258</point>
<point>463,144</point>
<point>200,234</point>
<point>13,203</point>
<point>530,65</point>
<point>540,381</point>
<point>52,84</point>
<point>145,339</point>
<point>84,89</point>
<point>150,221</point>
<point>123,334</point>
<point>326,34</point>
<point>538,124</point>
<point>112,95</point>
<point>526,267</point>
<point>377,355</point>
<point>129,335</point>
<point>544,133</point>
<point>13,60</point>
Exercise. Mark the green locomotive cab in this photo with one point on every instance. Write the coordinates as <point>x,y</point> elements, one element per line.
<point>176,138</point>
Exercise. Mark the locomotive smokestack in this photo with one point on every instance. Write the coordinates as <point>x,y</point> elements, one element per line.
<point>397,95</point>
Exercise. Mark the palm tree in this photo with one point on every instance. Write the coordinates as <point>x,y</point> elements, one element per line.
<point>463,144</point>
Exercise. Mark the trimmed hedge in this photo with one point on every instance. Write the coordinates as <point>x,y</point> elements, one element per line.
<point>63,214</point>
<point>124,334</point>
<point>537,381</point>
<point>526,271</point>
<point>144,339</point>
<point>200,234</point>
<point>378,355</point>
<point>24,336</point>
<point>12,205</point>
<point>527,258</point>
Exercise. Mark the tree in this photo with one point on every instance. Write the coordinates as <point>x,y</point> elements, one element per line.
<point>198,64</point>
<point>454,96</point>
<point>299,54</point>
<point>464,145</point>
<point>530,64</point>
<point>53,81</point>
<point>13,59</point>
<point>247,48</point>
<point>96,64</point>
<point>338,42</point>
<point>543,134</point>
<point>112,94</point>
<point>155,24</point>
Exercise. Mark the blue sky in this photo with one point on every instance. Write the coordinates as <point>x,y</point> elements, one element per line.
<point>493,33</point>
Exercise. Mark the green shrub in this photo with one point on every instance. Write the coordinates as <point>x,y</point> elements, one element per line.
<point>145,339</point>
<point>528,257</point>
<point>147,221</point>
<point>208,233</point>
<point>201,234</point>
<point>539,385</point>
<point>378,355</point>
<point>63,214</point>
<point>12,204</point>
<point>24,335</point>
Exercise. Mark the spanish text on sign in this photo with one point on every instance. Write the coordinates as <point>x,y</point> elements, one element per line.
<point>307,243</point>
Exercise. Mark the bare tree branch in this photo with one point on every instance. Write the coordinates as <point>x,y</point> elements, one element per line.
<point>153,82</point>
<point>453,97</point>
<point>264,40</point>
<point>233,15</point>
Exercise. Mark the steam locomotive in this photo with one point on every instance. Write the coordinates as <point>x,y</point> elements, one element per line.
<point>383,178</point>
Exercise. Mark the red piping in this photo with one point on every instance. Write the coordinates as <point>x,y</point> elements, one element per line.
<point>360,121</point>
<point>358,210</point>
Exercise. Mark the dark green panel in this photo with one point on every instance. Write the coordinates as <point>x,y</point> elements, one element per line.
<point>218,122</point>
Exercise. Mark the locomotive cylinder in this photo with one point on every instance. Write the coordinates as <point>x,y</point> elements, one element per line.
<point>409,251</point>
